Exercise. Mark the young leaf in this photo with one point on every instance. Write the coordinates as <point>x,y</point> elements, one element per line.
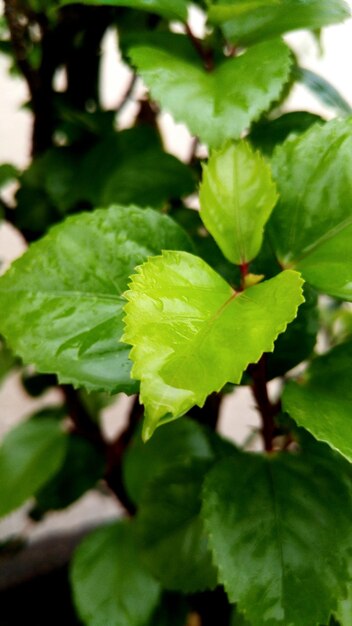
<point>246,22</point>
<point>192,333</point>
<point>180,442</point>
<point>322,403</point>
<point>311,226</point>
<point>30,454</point>
<point>216,105</point>
<point>237,195</point>
<point>61,302</point>
<point>273,524</point>
<point>110,584</point>
<point>173,542</point>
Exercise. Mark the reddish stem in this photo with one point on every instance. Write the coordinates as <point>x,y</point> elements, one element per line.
<point>267,409</point>
<point>205,55</point>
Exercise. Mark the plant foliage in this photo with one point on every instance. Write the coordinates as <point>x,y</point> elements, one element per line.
<point>124,288</point>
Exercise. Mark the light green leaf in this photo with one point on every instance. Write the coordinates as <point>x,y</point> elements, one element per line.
<point>237,195</point>
<point>61,303</point>
<point>280,530</point>
<point>170,9</point>
<point>191,332</point>
<point>179,442</point>
<point>111,587</point>
<point>322,402</point>
<point>30,455</point>
<point>251,21</point>
<point>173,542</point>
<point>311,226</point>
<point>216,105</point>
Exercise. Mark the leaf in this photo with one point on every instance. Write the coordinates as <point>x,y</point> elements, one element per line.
<point>280,530</point>
<point>173,542</point>
<point>191,332</point>
<point>7,361</point>
<point>30,454</point>
<point>251,21</point>
<point>172,611</point>
<point>323,90</point>
<point>311,226</point>
<point>237,195</point>
<point>8,172</point>
<point>80,470</point>
<point>322,402</point>
<point>297,343</point>
<point>61,302</point>
<point>178,443</point>
<point>268,133</point>
<point>110,584</point>
<point>137,171</point>
<point>170,9</point>
<point>217,105</point>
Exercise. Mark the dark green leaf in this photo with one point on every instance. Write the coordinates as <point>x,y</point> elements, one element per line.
<point>172,611</point>
<point>216,105</point>
<point>110,584</point>
<point>280,529</point>
<point>7,360</point>
<point>80,470</point>
<point>321,403</point>
<point>297,343</point>
<point>61,303</point>
<point>311,226</point>
<point>323,90</point>
<point>267,134</point>
<point>170,9</point>
<point>8,173</point>
<point>137,171</point>
<point>249,21</point>
<point>174,545</point>
<point>30,454</point>
<point>178,442</point>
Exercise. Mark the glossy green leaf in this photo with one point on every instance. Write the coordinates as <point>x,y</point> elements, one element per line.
<point>170,9</point>
<point>297,343</point>
<point>311,226</point>
<point>237,195</point>
<point>216,105</point>
<point>321,403</point>
<point>111,587</point>
<point>179,442</point>
<point>61,302</point>
<point>280,530</point>
<point>30,454</point>
<point>246,22</point>
<point>173,542</point>
<point>191,332</point>
<point>80,470</point>
<point>323,90</point>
